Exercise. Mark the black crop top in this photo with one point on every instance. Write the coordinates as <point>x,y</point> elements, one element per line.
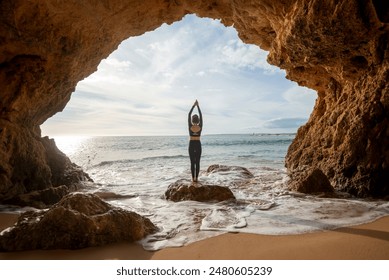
<point>195,130</point>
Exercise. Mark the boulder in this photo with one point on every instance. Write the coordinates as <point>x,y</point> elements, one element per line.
<point>41,198</point>
<point>311,181</point>
<point>218,168</point>
<point>77,221</point>
<point>186,190</point>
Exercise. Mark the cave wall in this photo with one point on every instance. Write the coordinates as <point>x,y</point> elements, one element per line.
<point>342,52</point>
<point>338,48</point>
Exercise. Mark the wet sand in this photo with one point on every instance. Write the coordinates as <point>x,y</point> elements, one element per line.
<point>364,242</point>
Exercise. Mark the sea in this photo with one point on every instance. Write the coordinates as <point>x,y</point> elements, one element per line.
<point>134,172</point>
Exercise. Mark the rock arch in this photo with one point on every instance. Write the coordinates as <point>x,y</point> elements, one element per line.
<point>338,48</point>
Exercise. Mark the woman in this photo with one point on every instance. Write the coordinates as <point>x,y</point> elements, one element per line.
<point>195,125</point>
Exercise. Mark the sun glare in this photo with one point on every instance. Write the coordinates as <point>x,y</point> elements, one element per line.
<point>70,144</point>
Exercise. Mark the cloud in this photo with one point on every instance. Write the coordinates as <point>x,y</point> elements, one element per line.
<point>147,86</point>
<point>285,123</point>
<point>240,55</point>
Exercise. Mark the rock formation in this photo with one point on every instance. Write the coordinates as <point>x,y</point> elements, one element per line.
<point>243,172</point>
<point>77,221</point>
<point>311,181</point>
<point>338,48</point>
<point>65,177</point>
<point>341,50</point>
<point>186,190</point>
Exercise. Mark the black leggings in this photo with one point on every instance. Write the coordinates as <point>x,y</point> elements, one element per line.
<point>195,154</point>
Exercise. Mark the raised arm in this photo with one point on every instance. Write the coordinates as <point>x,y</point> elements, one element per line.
<point>200,115</point>
<point>190,114</point>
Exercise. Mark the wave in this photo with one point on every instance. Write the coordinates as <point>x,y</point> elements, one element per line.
<point>111,195</point>
<point>225,219</point>
<point>258,142</point>
<point>128,161</point>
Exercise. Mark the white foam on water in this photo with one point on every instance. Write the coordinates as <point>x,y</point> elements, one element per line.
<point>263,207</point>
<point>140,169</point>
<point>224,219</point>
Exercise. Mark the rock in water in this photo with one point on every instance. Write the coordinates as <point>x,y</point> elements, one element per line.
<point>77,221</point>
<point>311,181</point>
<point>244,172</point>
<point>185,190</point>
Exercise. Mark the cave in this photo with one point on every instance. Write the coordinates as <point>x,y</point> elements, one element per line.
<point>337,48</point>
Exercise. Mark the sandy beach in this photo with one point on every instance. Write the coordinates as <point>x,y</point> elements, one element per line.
<point>364,242</point>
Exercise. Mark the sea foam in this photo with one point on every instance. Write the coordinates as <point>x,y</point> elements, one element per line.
<point>139,170</point>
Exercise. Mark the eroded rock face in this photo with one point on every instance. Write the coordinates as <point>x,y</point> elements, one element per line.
<point>341,50</point>
<point>338,48</point>
<point>77,221</point>
<point>311,182</point>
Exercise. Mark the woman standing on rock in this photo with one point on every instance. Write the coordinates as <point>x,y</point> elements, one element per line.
<point>195,125</point>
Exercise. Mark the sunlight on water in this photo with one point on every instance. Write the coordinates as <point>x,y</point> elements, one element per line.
<point>70,144</point>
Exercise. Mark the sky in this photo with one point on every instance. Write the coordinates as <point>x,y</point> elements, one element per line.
<point>148,85</point>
